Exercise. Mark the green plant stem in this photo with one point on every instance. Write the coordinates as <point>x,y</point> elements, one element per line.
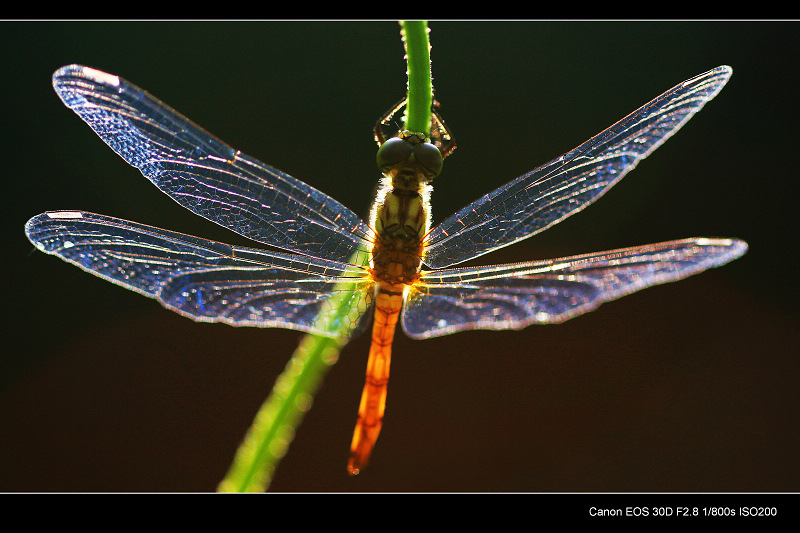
<point>420,89</point>
<point>279,416</point>
<point>273,429</point>
<point>275,423</point>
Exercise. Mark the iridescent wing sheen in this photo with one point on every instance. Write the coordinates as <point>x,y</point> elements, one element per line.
<point>516,295</point>
<point>205,175</point>
<point>537,200</point>
<point>207,280</point>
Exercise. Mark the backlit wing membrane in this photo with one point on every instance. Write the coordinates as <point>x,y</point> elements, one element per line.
<point>207,280</point>
<point>517,295</point>
<point>205,175</point>
<point>537,200</point>
<point>324,290</point>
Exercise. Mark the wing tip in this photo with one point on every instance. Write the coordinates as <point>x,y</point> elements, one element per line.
<point>736,247</point>
<point>723,68</point>
<point>58,215</point>
<point>39,224</point>
<point>84,72</point>
<point>717,77</point>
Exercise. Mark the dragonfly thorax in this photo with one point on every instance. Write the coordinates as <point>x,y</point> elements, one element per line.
<point>394,269</point>
<point>401,219</point>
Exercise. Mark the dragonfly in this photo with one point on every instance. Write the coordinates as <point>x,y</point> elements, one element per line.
<point>332,272</point>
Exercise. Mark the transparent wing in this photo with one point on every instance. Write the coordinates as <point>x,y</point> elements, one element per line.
<point>537,200</point>
<point>207,176</point>
<point>207,280</point>
<point>543,292</point>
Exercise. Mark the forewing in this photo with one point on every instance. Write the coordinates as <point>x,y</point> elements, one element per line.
<point>207,280</point>
<point>207,176</point>
<point>517,295</point>
<point>537,200</point>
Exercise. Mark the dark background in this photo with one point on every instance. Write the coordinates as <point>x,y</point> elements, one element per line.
<point>690,386</point>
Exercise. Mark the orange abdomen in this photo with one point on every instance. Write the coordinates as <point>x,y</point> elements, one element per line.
<point>373,398</point>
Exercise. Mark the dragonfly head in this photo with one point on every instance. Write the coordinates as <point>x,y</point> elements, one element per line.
<point>410,151</point>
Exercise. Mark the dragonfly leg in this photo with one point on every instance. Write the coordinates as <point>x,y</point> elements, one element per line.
<point>380,136</point>
<point>440,135</point>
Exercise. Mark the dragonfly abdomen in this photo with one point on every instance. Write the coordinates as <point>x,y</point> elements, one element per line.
<point>373,398</point>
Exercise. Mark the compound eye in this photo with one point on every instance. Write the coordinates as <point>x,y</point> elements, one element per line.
<point>393,151</point>
<point>429,156</point>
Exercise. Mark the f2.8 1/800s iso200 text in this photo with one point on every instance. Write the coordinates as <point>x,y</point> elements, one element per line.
<point>683,511</point>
